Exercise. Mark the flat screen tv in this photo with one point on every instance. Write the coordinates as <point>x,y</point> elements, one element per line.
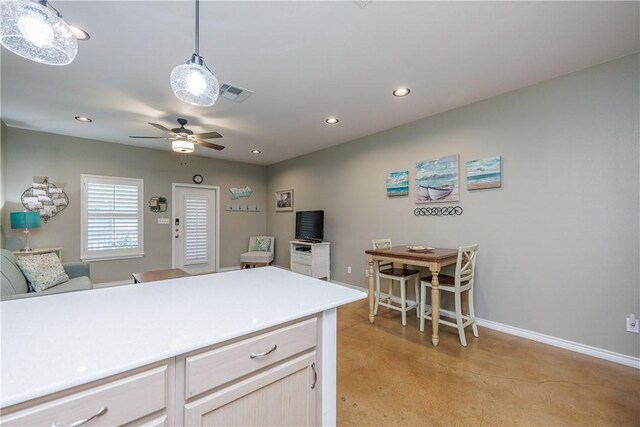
<point>310,226</point>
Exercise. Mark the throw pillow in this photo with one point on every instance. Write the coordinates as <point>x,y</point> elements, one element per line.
<point>262,244</point>
<point>42,271</point>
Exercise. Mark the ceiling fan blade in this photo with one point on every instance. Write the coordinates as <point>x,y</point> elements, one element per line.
<point>207,135</point>
<point>152,137</point>
<point>162,128</point>
<point>209,145</point>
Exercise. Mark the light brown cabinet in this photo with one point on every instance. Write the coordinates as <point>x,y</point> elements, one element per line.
<point>284,395</point>
<point>130,397</point>
<point>267,378</point>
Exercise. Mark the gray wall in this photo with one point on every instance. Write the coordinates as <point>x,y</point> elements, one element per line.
<point>559,242</point>
<point>64,158</point>
<point>3,180</point>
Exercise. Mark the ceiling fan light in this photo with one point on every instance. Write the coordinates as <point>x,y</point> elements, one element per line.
<point>35,32</point>
<point>182,146</point>
<point>194,84</point>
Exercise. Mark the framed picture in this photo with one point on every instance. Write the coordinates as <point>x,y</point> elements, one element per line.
<point>398,183</point>
<point>437,180</point>
<point>284,200</point>
<point>484,173</point>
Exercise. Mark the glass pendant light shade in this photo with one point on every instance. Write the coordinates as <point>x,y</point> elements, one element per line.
<point>34,31</point>
<point>194,84</point>
<point>182,146</point>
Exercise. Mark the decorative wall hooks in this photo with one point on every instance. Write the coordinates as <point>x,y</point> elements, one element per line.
<point>242,208</point>
<point>45,198</point>
<point>438,211</point>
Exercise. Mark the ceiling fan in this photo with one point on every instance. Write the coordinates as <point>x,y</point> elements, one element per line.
<point>183,138</point>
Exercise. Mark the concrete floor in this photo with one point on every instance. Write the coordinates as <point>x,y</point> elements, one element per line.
<point>392,376</point>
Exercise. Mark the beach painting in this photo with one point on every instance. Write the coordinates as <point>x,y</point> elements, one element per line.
<point>437,180</point>
<point>398,183</point>
<point>484,173</point>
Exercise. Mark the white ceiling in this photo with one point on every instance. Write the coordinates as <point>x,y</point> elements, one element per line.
<point>304,61</point>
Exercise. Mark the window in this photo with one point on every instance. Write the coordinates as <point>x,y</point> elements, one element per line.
<point>111,218</point>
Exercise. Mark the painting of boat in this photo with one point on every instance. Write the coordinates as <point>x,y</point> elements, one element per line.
<point>436,193</point>
<point>437,180</point>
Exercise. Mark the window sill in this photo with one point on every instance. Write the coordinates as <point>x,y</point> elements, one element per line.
<point>111,258</point>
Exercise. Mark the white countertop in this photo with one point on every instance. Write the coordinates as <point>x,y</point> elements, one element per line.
<point>55,342</point>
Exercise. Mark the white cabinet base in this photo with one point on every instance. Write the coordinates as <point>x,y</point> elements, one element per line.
<point>311,259</point>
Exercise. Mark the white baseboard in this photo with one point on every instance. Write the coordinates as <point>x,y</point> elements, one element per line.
<point>235,267</point>
<point>600,353</point>
<point>110,284</point>
<point>346,285</point>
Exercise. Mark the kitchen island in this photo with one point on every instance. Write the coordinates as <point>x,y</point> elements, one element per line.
<point>191,351</point>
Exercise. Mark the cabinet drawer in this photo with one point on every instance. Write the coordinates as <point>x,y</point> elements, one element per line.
<point>302,269</point>
<point>301,258</point>
<point>126,400</point>
<point>214,368</point>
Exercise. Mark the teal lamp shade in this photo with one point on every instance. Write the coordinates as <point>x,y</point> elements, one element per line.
<point>25,220</point>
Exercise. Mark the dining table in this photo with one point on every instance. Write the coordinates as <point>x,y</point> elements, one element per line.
<point>432,258</point>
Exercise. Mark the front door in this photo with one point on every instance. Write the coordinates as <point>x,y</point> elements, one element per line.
<point>195,228</point>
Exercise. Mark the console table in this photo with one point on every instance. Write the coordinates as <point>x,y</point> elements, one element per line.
<point>311,259</point>
<point>40,251</point>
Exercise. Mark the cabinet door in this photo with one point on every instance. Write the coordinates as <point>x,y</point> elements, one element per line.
<point>284,395</point>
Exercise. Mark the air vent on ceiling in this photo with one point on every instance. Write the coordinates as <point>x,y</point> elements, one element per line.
<point>233,93</point>
<point>362,3</point>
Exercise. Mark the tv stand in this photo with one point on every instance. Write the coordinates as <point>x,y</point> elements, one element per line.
<point>311,259</point>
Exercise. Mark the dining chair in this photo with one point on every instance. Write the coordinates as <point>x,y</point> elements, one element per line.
<point>386,270</point>
<point>461,283</point>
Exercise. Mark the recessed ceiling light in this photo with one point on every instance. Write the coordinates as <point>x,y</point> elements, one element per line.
<point>83,119</point>
<point>403,91</point>
<point>256,151</point>
<point>80,34</point>
<point>332,120</point>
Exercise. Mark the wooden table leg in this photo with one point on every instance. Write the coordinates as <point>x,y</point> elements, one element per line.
<point>372,296</point>
<point>435,303</point>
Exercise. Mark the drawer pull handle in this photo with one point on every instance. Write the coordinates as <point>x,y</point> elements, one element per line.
<point>271,350</point>
<point>315,375</point>
<point>79,423</point>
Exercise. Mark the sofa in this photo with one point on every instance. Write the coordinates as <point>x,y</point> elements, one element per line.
<point>14,285</point>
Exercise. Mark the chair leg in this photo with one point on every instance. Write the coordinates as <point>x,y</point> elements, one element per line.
<point>403,301</point>
<point>377,295</point>
<point>472,313</point>
<point>463,339</point>
<point>417,291</point>
<point>423,299</point>
<point>390,295</point>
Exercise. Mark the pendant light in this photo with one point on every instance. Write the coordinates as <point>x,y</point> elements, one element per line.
<point>193,82</point>
<point>36,31</point>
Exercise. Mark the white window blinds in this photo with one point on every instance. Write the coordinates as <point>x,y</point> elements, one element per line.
<point>111,217</point>
<point>196,230</point>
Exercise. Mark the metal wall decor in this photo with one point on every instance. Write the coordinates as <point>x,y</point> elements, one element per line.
<point>45,198</point>
<point>158,204</point>
<point>438,211</point>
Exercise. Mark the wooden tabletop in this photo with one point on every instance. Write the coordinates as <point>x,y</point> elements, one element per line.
<point>155,275</point>
<point>435,254</point>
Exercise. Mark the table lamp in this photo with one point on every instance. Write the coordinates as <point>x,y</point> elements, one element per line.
<point>25,220</point>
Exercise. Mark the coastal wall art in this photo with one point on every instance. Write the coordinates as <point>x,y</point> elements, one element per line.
<point>437,180</point>
<point>484,173</point>
<point>398,183</point>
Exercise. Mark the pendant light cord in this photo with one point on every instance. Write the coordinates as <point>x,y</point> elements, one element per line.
<point>198,27</point>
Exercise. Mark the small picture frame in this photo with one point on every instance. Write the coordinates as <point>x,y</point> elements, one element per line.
<point>284,200</point>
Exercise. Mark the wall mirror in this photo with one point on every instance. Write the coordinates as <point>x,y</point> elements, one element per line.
<point>158,204</point>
